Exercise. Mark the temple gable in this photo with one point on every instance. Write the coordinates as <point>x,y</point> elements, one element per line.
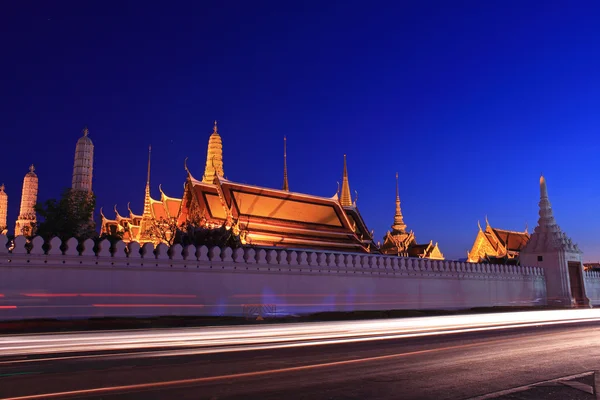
<point>497,246</point>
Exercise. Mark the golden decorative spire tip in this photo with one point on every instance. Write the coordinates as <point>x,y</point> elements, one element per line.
<point>215,127</point>
<point>85,131</point>
<point>286,185</point>
<point>31,168</point>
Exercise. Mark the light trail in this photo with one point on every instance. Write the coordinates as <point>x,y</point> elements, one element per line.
<point>228,377</point>
<point>222,339</point>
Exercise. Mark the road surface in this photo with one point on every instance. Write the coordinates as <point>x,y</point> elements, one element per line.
<point>455,357</point>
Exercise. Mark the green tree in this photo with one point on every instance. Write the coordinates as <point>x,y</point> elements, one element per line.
<point>70,216</point>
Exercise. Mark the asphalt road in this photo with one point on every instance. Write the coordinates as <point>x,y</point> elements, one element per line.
<point>450,366</point>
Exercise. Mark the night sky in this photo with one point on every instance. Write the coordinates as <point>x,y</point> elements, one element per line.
<point>468,101</point>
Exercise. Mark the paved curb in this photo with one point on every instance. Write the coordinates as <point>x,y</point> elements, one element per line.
<point>565,380</point>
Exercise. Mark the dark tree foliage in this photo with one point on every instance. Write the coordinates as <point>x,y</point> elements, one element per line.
<point>194,232</point>
<point>198,236</point>
<point>70,216</point>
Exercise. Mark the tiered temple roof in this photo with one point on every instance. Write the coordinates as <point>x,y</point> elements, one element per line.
<point>402,242</point>
<point>497,246</point>
<point>276,218</point>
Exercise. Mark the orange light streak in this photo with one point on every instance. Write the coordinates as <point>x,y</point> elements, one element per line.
<point>8,307</point>
<point>177,296</point>
<point>148,305</point>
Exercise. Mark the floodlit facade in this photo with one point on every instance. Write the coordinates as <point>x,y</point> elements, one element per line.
<point>497,246</point>
<point>259,216</point>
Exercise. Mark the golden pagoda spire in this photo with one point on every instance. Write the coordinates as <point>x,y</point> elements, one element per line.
<point>147,211</point>
<point>345,199</point>
<point>214,157</point>
<point>399,226</point>
<point>286,185</point>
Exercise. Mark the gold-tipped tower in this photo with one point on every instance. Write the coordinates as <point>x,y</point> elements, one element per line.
<point>214,157</point>
<point>399,226</point>
<point>286,185</point>
<point>345,199</point>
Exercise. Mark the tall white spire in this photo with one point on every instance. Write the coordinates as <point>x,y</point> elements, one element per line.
<point>84,163</point>
<point>547,235</point>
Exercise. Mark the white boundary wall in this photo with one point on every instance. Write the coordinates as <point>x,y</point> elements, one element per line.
<point>131,281</point>
<point>591,280</point>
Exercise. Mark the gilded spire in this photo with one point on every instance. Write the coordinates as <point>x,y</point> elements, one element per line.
<point>399,226</point>
<point>345,199</point>
<point>147,211</point>
<point>286,186</point>
<point>149,154</point>
<point>85,131</point>
<point>27,217</point>
<point>3,208</point>
<point>214,157</point>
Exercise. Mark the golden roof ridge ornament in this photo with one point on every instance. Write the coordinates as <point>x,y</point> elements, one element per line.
<point>399,226</point>
<point>147,212</point>
<point>345,199</point>
<point>286,185</point>
<point>85,131</point>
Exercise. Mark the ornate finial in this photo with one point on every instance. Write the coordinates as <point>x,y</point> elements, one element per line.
<point>85,131</point>
<point>149,154</point>
<point>479,225</point>
<point>399,226</point>
<point>487,223</point>
<point>286,185</point>
<point>185,165</point>
<point>215,127</point>
<point>115,209</point>
<point>355,197</point>
<point>2,188</point>
<point>345,199</point>
<point>543,187</point>
<point>31,168</point>
<point>526,227</point>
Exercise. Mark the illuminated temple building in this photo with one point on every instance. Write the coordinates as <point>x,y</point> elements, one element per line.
<point>257,215</point>
<point>402,243</point>
<point>497,246</point>
<point>141,228</point>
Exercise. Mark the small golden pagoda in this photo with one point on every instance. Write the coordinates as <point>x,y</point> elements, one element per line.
<point>497,246</point>
<point>402,243</point>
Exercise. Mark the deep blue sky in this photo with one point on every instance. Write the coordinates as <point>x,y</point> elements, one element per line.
<point>468,101</point>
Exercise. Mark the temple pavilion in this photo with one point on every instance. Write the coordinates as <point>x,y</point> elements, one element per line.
<point>497,246</point>
<point>257,215</point>
<point>403,243</point>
